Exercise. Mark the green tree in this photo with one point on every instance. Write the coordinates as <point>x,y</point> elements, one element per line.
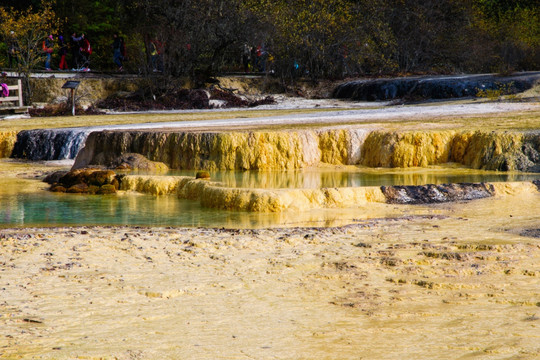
<point>512,28</point>
<point>98,20</point>
<point>28,28</point>
<point>198,35</point>
<point>429,35</point>
<point>322,38</point>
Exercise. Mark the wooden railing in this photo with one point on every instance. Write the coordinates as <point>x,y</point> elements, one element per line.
<point>18,98</point>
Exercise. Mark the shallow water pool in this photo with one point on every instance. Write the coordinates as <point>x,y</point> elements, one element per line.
<point>357,177</point>
<point>38,207</point>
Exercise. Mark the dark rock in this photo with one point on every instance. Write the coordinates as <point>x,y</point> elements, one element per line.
<point>199,99</point>
<point>531,151</point>
<point>134,161</point>
<point>91,181</point>
<point>429,194</point>
<point>54,177</point>
<point>535,233</point>
<point>49,144</point>
<point>439,87</point>
<point>93,189</point>
<point>115,183</point>
<point>78,189</point>
<point>100,177</point>
<point>58,188</point>
<point>75,177</point>
<point>106,189</point>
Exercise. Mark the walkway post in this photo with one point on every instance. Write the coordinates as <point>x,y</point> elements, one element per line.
<point>72,85</point>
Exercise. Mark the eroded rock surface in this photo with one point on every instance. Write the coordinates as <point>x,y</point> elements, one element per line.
<point>133,161</point>
<point>266,150</point>
<point>427,194</point>
<point>440,87</point>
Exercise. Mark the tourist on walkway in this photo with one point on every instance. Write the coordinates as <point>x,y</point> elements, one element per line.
<point>48,48</point>
<point>156,54</point>
<point>118,51</point>
<point>85,51</point>
<point>246,57</point>
<point>62,52</point>
<point>75,51</point>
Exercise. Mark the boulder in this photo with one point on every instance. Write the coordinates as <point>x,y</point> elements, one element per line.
<point>54,177</point>
<point>58,188</point>
<point>75,177</point>
<point>85,181</point>
<point>78,189</point>
<point>202,175</point>
<point>431,194</point>
<point>106,189</point>
<point>133,161</point>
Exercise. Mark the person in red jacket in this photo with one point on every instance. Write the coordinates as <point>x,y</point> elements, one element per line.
<point>48,48</point>
<point>86,51</point>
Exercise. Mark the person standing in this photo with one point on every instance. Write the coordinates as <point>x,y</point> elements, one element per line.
<point>85,51</point>
<point>62,52</point>
<point>246,57</point>
<point>48,48</point>
<point>156,53</point>
<point>118,46</point>
<point>76,50</point>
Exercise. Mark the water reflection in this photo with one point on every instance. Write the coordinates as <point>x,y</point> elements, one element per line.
<point>53,209</point>
<point>357,177</point>
<point>34,207</point>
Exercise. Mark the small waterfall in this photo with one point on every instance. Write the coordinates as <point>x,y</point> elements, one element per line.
<point>49,144</point>
<point>357,138</point>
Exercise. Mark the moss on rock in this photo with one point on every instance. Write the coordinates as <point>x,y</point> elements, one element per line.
<point>106,189</point>
<point>86,181</point>
<point>202,175</point>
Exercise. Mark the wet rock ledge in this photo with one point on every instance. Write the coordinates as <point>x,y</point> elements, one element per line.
<point>434,87</point>
<point>430,194</point>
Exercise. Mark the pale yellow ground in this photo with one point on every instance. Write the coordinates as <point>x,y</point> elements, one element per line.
<point>453,281</point>
<point>524,118</point>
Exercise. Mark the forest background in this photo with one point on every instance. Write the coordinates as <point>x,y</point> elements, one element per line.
<point>309,38</point>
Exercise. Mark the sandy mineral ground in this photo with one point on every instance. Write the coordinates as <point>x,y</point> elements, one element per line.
<point>452,281</point>
<point>446,281</point>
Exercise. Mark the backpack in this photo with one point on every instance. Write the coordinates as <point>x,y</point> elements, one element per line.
<point>5,90</point>
<point>47,47</point>
<point>86,47</point>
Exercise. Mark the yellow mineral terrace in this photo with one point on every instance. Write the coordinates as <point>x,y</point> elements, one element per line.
<point>7,142</point>
<point>277,150</point>
<point>217,195</point>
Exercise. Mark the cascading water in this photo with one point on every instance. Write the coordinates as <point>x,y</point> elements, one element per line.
<point>49,144</point>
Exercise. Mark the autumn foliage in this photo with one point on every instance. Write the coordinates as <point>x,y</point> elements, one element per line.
<point>297,38</point>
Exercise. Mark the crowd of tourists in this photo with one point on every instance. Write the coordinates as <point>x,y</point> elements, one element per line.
<point>74,53</point>
<point>56,51</point>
